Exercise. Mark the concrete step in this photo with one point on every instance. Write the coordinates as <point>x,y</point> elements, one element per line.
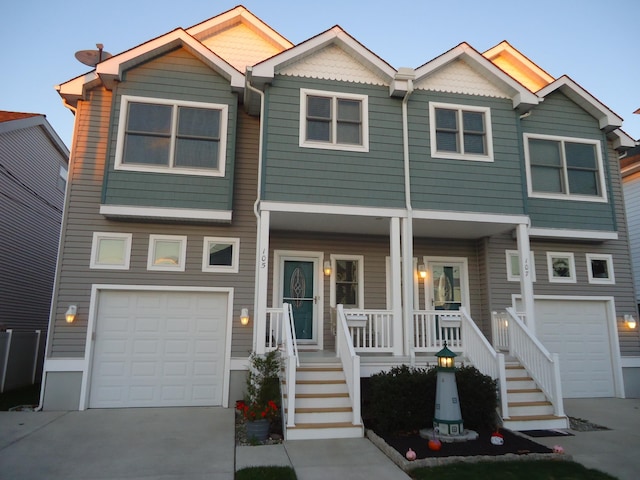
<point>517,409</point>
<point>535,422</point>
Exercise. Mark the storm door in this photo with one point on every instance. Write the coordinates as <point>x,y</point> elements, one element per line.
<point>298,290</point>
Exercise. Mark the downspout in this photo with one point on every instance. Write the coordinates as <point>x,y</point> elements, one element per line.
<point>257,316</point>
<point>407,240</point>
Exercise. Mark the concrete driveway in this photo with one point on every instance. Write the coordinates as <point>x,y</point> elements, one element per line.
<point>131,444</point>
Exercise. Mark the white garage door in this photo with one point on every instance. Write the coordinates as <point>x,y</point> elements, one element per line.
<point>158,349</point>
<point>577,331</point>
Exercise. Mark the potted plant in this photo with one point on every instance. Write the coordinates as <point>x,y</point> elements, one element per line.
<point>261,404</point>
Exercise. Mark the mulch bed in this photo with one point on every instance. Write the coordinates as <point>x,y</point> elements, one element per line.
<point>513,443</point>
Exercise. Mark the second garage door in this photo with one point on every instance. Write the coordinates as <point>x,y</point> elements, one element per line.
<point>158,349</point>
<point>577,330</point>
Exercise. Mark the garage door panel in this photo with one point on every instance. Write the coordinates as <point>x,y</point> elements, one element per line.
<point>163,350</point>
<point>577,331</point>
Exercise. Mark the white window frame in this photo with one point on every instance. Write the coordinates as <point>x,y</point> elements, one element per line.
<point>572,267</point>
<point>512,277</point>
<point>565,196</point>
<point>600,256</point>
<point>182,254</point>
<point>435,153</point>
<point>122,127</point>
<point>235,244</point>
<point>95,250</point>
<point>333,145</point>
<point>332,294</point>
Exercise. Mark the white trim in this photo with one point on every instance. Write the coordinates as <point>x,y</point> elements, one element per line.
<point>279,257</point>
<point>630,362</point>
<point>168,213</point>
<point>333,143</point>
<point>182,254</point>
<point>572,234</point>
<point>464,279</point>
<point>126,250</point>
<point>171,168</point>
<point>470,217</point>
<point>64,364</point>
<point>93,312</point>
<point>332,209</point>
<point>572,267</point>
<point>435,153</point>
<point>612,328</point>
<point>235,259</point>
<point>511,277</point>
<point>602,198</point>
<point>611,280</point>
<point>332,289</point>
<point>389,279</point>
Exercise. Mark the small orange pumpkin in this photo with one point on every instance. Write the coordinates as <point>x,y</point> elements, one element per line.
<point>435,444</point>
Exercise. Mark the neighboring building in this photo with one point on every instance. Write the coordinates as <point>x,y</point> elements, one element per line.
<point>33,175</point>
<point>221,168</point>
<point>630,168</point>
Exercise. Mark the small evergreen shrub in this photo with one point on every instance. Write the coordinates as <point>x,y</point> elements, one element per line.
<point>403,399</point>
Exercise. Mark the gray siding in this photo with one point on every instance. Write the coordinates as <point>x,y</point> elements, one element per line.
<point>464,185</point>
<point>632,202</point>
<point>558,115</point>
<point>82,218</point>
<point>30,214</point>
<point>178,76</point>
<point>310,175</point>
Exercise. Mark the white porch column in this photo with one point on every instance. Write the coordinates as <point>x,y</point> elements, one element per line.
<point>408,281</point>
<point>396,285</point>
<point>262,270</point>
<point>526,279</point>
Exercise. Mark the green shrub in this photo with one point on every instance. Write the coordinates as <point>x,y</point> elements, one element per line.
<point>403,399</point>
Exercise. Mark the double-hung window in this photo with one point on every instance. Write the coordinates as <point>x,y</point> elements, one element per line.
<point>333,120</point>
<point>563,167</point>
<point>168,136</point>
<point>347,281</point>
<point>460,132</point>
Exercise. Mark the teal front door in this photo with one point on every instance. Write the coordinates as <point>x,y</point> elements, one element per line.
<point>298,291</point>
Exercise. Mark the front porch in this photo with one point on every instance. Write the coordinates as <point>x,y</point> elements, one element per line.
<point>366,342</point>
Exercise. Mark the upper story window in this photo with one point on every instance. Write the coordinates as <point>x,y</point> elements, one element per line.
<point>334,120</point>
<point>157,135</point>
<point>460,132</point>
<point>564,168</point>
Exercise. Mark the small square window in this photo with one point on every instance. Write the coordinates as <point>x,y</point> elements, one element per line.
<point>110,251</point>
<point>167,252</point>
<point>513,266</point>
<point>561,266</point>
<point>220,255</point>
<point>600,268</point>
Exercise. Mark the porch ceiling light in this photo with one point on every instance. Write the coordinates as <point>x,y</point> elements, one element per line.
<point>422,271</point>
<point>630,321</point>
<point>244,317</point>
<point>70,315</point>
<point>327,268</point>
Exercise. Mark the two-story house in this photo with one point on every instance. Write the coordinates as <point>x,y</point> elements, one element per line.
<point>231,192</point>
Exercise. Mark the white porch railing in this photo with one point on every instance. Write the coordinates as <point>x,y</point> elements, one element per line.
<point>274,326</point>
<point>543,366</point>
<point>291,362</point>
<point>350,361</point>
<point>369,330</point>
<point>431,328</point>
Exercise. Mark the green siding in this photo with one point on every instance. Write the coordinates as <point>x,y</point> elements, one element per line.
<point>559,116</point>
<point>309,175</point>
<point>464,185</point>
<point>179,76</point>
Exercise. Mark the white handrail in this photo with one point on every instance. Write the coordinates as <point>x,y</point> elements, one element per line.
<point>432,328</point>
<point>543,367</point>
<point>483,356</point>
<point>291,362</point>
<point>350,362</point>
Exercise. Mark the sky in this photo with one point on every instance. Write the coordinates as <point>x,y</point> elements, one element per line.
<point>595,43</point>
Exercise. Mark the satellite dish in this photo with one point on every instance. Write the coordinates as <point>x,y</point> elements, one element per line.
<point>92,57</point>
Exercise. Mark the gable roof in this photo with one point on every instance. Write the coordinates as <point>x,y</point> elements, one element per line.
<point>11,121</point>
<point>523,99</point>
<point>265,71</point>
<point>513,62</point>
<point>6,116</point>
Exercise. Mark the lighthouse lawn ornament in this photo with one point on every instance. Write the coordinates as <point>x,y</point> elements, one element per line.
<point>447,419</point>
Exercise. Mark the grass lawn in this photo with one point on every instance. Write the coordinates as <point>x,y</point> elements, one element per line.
<point>23,396</point>
<point>266,473</point>
<point>520,470</point>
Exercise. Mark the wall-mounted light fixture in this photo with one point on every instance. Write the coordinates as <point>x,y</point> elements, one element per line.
<point>244,317</point>
<point>630,321</point>
<point>327,268</point>
<point>422,271</point>
<point>70,315</point>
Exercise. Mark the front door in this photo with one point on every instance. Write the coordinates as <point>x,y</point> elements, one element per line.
<point>298,290</point>
<point>447,287</point>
